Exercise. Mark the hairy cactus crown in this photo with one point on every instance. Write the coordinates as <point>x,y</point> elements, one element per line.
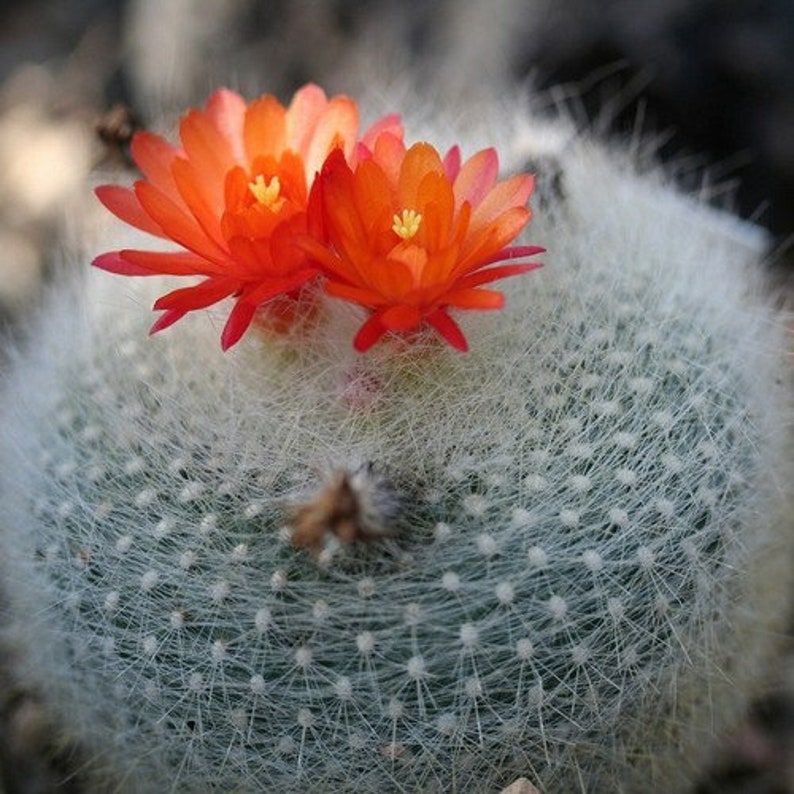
<point>513,557</point>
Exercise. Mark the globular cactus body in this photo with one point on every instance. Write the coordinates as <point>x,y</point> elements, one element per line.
<point>590,558</point>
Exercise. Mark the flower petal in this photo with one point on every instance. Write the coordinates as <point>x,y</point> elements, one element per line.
<point>265,130</point>
<point>113,262</point>
<point>475,299</point>
<point>237,323</point>
<point>391,124</point>
<point>166,319</point>
<point>336,127</point>
<point>124,204</point>
<point>368,334</point>
<point>199,296</point>
<point>476,178</point>
<point>512,193</point>
<point>154,157</point>
<point>449,329</point>
<point>177,224</point>
<point>171,263</point>
<point>226,110</point>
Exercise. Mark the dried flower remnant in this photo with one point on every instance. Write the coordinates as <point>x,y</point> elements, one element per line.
<point>233,197</point>
<point>413,235</point>
<point>352,505</point>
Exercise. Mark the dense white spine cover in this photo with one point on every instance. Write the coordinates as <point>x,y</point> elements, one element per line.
<point>592,558</point>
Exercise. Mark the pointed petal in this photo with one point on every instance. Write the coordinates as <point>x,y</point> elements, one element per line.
<point>201,197</point>
<point>337,126</point>
<point>177,224</point>
<point>306,107</point>
<point>154,157</point>
<point>493,274</point>
<point>265,130</point>
<point>271,288</point>
<point>419,160</point>
<point>226,109</point>
<point>236,325</point>
<point>391,124</point>
<point>199,296</point>
<point>124,204</point>
<point>368,334</point>
<point>452,163</point>
<point>476,178</point>
<point>475,299</point>
<point>449,329</point>
<point>171,263</point>
<point>513,192</point>
<point>113,262</point>
<point>400,318</point>
<point>166,319</point>
<point>389,153</point>
<point>209,152</point>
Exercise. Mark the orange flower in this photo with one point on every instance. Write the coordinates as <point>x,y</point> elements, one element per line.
<point>234,197</point>
<point>413,235</point>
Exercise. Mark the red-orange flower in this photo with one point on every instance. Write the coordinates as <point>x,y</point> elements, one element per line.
<point>234,198</point>
<point>412,236</point>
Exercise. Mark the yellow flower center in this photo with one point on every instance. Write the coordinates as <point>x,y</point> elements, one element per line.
<point>266,193</point>
<point>407,224</point>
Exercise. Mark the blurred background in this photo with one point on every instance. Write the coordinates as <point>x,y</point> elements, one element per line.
<point>709,84</point>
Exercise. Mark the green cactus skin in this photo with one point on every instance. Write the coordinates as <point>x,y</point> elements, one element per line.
<point>592,561</point>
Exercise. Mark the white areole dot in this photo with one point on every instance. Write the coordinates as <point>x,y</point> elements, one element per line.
<point>412,614</point>
<point>580,483</point>
<point>618,516</point>
<point>475,504</point>
<point>320,610</point>
<point>486,544</point>
<point>558,607</point>
<point>416,668</point>
<point>278,581</point>
<point>625,440</point>
<point>646,557</point>
<point>537,557</point>
<point>615,608</point>
<point>524,649</point>
<point>395,709</point>
<point>569,518</point>
<point>365,642</point>
<point>112,601</point>
<point>343,688</point>
<point>505,593</point>
<point>219,591</point>
<point>469,635</point>
<point>593,560</point>
<point>218,651</point>
<point>124,544</point>
<point>450,581</point>
<point>366,587</point>
<point>240,552</point>
<point>149,580</point>
<point>446,724</point>
<point>257,684</point>
<point>305,718</point>
<point>303,657</point>
<point>473,687</point>
<point>626,477</point>
<point>262,620</point>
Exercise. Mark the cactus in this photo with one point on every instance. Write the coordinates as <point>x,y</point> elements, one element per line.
<point>576,556</point>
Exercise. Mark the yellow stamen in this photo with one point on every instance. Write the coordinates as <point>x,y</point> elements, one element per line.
<point>407,224</point>
<point>266,193</point>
